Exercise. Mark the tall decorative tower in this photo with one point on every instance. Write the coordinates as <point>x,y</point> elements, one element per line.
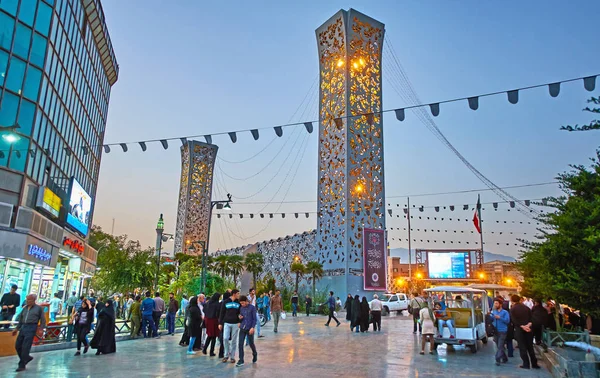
<point>195,191</point>
<point>351,184</point>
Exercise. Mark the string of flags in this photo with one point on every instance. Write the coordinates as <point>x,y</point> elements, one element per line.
<point>455,242</point>
<point>589,83</point>
<point>458,231</point>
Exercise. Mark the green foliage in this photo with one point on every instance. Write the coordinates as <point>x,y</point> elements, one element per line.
<point>299,269</point>
<point>593,125</point>
<point>315,269</point>
<point>221,265</point>
<point>254,264</point>
<point>236,266</point>
<point>565,262</point>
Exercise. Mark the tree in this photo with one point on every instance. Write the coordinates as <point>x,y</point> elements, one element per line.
<point>299,269</point>
<point>594,124</point>
<point>315,269</point>
<point>221,265</point>
<point>236,266</point>
<point>254,264</point>
<point>564,262</point>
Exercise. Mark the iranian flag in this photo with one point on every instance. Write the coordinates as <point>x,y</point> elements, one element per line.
<point>477,215</point>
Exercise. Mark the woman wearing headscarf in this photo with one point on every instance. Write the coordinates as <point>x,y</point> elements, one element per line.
<point>211,321</point>
<point>355,322</point>
<point>104,337</point>
<point>185,337</point>
<point>82,320</point>
<point>194,319</point>
<point>348,307</point>
<point>364,315</point>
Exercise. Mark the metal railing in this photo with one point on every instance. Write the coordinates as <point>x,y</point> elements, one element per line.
<point>555,338</point>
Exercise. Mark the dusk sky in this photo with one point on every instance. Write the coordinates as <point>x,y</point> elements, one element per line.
<point>191,67</point>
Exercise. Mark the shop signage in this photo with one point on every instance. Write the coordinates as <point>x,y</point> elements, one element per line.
<point>74,245</point>
<point>375,260</point>
<point>49,201</point>
<point>39,252</point>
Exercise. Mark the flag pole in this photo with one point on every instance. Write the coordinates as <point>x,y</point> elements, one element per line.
<point>409,245</point>
<point>480,263</point>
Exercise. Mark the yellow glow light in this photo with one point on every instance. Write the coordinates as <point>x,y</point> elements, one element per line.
<point>340,62</point>
<point>359,188</point>
<point>481,275</point>
<point>419,275</point>
<point>362,62</point>
<point>508,281</point>
<point>400,281</point>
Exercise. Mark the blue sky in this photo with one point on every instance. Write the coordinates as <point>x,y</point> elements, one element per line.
<point>198,67</point>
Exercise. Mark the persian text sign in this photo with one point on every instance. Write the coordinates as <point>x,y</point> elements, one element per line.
<point>374,260</point>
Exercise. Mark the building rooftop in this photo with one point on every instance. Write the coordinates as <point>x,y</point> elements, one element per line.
<point>96,20</point>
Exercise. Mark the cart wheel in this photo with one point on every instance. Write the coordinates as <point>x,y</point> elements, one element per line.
<point>484,340</point>
<point>386,311</point>
<point>473,348</point>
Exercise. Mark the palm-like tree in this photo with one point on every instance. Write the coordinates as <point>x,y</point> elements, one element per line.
<point>315,269</point>
<point>254,264</point>
<point>236,266</point>
<point>221,265</point>
<point>299,269</point>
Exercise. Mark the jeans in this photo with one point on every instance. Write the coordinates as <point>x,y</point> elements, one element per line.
<point>509,346</point>
<point>294,309</point>
<point>156,317</point>
<point>331,316</point>
<point>525,341</point>
<point>243,334</point>
<point>191,346</point>
<point>356,328</point>
<point>307,310</point>
<point>376,320</point>
<point>268,312</point>
<point>24,341</point>
<point>82,332</point>
<point>148,321</point>
<point>258,327</point>
<point>449,324</point>
<point>171,322</point>
<point>276,317</point>
<point>230,330</point>
<point>53,316</point>
<point>500,339</point>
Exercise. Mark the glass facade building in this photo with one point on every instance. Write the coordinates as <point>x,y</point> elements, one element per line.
<point>57,67</point>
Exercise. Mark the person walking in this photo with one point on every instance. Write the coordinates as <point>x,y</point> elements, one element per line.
<point>184,305</point>
<point>252,301</point>
<point>426,319</point>
<point>364,315</point>
<point>308,304</point>
<point>104,336</point>
<point>539,318</point>
<point>510,333</point>
<point>147,318</point>
<point>294,301</point>
<point>500,320</point>
<point>135,317</point>
<point>521,318</point>
<point>27,328</point>
<point>194,320</point>
<point>355,322</point>
<point>249,319</point>
<point>55,307</point>
<point>331,306</point>
<point>130,301</point>
<point>348,307</point>
<point>229,323</point>
<point>211,320</point>
<point>277,308</point>
<point>416,304</point>
<point>376,308</point>
<point>71,303</point>
<point>267,306</point>
<point>9,302</point>
<point>159,309</point>
<point>82,320</point>
<point>226,295</point>
<point>171,313</point>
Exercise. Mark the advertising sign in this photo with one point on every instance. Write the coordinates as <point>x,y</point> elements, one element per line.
<point>449,265</point>
<point>374,260</point>
<point>49,201</point>
<point>80,208</point>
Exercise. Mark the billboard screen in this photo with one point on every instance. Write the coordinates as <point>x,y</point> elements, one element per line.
<point>80,208</point>
<point>374,260</point>
<point>449,265</point>
<point>49,201</point>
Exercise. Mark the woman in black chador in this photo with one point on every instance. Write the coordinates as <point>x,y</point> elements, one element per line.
<point>348,307</point>
<point>364,315</point>
<point>104,337</point>
<point>355,322</point>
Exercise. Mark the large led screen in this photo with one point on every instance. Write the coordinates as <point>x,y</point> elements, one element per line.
<point>80,208</point>
<point>449,265</point>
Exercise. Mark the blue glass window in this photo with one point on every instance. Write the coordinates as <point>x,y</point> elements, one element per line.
<point>38,50</point>
<point>42,22</point>
<point>7,25</point>
<point>27,11</point>
<point>10,6</point>
<point>32,83</point>
<point>26,114</point>
<point>16,71</point>
<point>3,64</point>
<point>8,110</point>
<point>22,41</point>
<point>19,155</point>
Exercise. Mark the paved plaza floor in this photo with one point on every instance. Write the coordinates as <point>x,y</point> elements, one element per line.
<point>304,347</point>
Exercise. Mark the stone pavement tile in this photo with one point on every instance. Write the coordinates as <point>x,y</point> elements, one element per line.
<point>302,348</point>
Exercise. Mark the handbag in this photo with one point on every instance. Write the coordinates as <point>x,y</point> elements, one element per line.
<point>283,316</point>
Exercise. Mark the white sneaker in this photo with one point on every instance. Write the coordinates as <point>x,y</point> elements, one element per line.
<point>191,352</point>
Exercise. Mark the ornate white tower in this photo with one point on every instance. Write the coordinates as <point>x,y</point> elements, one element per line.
<point>351,193</point>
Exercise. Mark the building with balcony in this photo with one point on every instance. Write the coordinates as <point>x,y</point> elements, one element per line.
<point>57,67</point>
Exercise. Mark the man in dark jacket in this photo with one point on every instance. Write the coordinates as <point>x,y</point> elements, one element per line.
<point>171,313</point>
<point>331,305</point>
<point>249,319</point>
<point>228,323</point>
<point>10,301</point>
<point>539,318</point>
<point>521,318</point>
<point>308,304</point>
<point>510,333</point>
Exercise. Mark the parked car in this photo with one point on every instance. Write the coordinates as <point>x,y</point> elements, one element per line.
<point>394,302</point>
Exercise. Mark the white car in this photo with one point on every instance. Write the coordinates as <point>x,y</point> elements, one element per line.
<point>394,302</point>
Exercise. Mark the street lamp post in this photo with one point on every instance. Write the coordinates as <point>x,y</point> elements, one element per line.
<point>222,204</point>
<point>160,237</point>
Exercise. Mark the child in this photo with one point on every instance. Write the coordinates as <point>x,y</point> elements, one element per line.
<point>248,317</point>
